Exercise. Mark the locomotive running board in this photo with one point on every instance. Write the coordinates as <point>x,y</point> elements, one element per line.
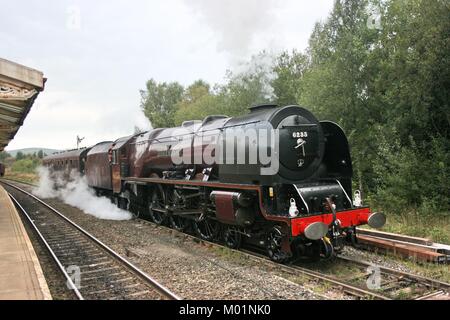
<point>212,184</point>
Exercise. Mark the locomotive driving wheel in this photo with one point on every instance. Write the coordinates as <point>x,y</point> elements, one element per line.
<point>274,245</point>
<point>178,222</point>
<point>232,237</point>
<point>157,206</point>
<point>206,228</point>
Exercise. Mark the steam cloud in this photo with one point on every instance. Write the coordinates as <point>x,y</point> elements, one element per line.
<point>262,66</point>
<point>236,22</point>
<point>77,193</point>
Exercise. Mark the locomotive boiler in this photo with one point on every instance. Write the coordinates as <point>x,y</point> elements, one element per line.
<point>275,178</point>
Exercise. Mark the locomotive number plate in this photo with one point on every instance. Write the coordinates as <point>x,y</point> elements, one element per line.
<point>300,134</point>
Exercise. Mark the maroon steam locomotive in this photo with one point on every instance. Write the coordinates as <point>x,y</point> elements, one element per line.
<point>209,177</point>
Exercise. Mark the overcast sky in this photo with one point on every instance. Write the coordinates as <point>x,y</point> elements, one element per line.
<point>97,55</point>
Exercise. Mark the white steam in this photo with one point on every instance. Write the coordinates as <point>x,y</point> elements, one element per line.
<point>237,23</point>
<point>260,66</point>
<point>77,193</point>
<point>141,122</point>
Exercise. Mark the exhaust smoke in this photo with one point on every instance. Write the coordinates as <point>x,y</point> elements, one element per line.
<point>76,192</point>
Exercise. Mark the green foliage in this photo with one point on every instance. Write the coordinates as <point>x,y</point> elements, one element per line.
<point>410,177</point>
<point>159,101</point>
<point>252,85</point>
<point>4,155</point>
<point>388,88</point>
<point>27,165</point>
<point>288,84</point>
<point>387,85</point>
<point>434,225</point>
<point>197,102</point>
<point>20,155</point>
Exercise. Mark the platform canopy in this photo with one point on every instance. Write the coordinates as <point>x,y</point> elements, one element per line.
<point>19,87</point>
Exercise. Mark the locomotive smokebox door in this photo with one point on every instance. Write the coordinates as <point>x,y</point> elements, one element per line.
<point>298,146</point>
<point>301,143</point>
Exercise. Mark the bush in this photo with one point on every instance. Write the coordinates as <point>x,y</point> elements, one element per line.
<point>413,177</point>
<point>25,165</point>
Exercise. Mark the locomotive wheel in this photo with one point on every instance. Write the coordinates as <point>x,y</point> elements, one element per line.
<point>157,206</point>
<point>206,228</point>
<point>177,222</point>
<point>274,245</point>
<point>232,237</point>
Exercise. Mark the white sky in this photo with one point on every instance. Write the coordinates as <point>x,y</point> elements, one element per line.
<point>97,55</point>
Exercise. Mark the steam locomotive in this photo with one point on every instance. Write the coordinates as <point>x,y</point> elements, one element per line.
<point>276,178</point>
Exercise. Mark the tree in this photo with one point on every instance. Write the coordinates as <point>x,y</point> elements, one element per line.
<point>251,85</point>
<point>289,68</point>
<point>20,155</point>
<point>4,155</point>
<point>198,102</point>
<point>378,68</point>
<point>159,101</point>
<point>338,84</point>
<point>40,154</point>
<point>388,87</point>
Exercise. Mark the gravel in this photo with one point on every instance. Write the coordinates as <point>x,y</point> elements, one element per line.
<point>377,259</point>
<point>196,271</point>
<point>190,269</point>
<point>55,280</point>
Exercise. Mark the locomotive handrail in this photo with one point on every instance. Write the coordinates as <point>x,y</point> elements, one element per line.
<point>345,192</point>
<point>300,194</point>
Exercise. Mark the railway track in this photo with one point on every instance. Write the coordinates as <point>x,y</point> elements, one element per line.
<point>92,269</point>
<point>419,249</point>
<point>393,284</point>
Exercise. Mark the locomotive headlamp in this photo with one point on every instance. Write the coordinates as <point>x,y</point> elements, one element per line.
<point>357,202</point>
<point>293,210</point>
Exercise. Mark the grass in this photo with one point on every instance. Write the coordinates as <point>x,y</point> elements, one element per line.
<point>440,272</point>
<point>229,254</point>
<point>435,227</point>
<point>21,176</point>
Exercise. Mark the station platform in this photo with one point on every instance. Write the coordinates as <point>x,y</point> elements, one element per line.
<point>21,276</point>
